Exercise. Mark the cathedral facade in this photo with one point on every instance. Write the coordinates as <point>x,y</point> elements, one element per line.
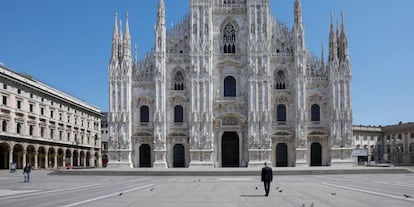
<point>229,86</point>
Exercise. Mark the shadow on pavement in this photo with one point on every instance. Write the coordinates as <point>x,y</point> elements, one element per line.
<point>252,196</point>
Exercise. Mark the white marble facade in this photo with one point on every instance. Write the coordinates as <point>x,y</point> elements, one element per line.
<point>229,86</point>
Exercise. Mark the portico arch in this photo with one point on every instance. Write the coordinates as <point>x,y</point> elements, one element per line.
<point>60,158</point>
<point>82,159</point>
<point>30,155</point>
<point>51,157</point>
<point>75,157</point>
<point>41,157</point>
<point>4,155</point>
<point>18,156</point>
<point>68,156</point>
<point>88,159</point>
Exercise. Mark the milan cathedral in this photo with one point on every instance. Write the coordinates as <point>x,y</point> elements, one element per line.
<point>229,86</point>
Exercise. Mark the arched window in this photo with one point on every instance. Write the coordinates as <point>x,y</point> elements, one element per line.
<point>280,80</point>
<point>178,114</point>
<point>179,81</point>
<point>229,39</point>
<point>4,126</point>
<point>315,113</point>
<point>229,86</point>
<point>144,114</point>
<point>18,128</point>
<point>281,112</point>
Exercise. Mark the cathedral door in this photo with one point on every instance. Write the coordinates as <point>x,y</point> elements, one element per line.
<point>144,156</point>
<point>316,154</point>
<point>281,155</point>
<point>179,155</point>
<point>230,150</point>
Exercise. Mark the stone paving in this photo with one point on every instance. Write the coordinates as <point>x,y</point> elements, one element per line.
<point>358,190</point>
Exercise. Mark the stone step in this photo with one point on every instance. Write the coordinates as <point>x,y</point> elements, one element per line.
<point>228,171</point>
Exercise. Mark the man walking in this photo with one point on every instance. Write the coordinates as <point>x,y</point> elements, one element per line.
<point>26,172</point>
<point>267,177</point>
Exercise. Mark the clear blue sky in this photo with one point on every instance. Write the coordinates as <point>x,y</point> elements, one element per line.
<point>66,44</point>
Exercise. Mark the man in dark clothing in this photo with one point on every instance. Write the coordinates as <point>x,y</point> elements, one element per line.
<point>267,177</point>
<point>26,172</point>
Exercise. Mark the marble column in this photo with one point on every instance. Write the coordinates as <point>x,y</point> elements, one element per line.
<point>55,160</point>
<point>24,157</point>
<point>36,163</point>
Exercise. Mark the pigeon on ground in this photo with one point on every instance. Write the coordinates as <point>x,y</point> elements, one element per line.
<point>120,193</point>
<point>152,189</point>
<point>256,188</point>
<point>280,190</point>
<point>333,193</point>
<point>407,196</point>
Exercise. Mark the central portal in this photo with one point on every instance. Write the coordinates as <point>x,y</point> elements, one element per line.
<point>179,155</point>
<point>230,155</point>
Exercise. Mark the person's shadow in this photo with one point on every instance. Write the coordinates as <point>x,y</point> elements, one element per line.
<point>252,196</point>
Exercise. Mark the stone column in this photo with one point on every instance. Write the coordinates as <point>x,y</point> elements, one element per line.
<point>64,158</point>
<point>10,157</point>
<point>70,159</point>
<point>47,159</point>
<point>84,159</point>
<point>35,158</point>
<point>79,159</point>
<point>55,160</point>
<point>24,157</point>
<point>99,160</point>
<point>92,160</point>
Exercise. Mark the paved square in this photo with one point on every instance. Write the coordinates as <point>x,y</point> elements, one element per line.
<point>321,190</point>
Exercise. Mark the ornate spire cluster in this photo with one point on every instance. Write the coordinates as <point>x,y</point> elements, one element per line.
<point>121,42</point>
<point>338,43</point>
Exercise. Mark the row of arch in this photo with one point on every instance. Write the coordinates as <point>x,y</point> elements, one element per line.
<point>40,156</point>
<point>179,113</point>
<point>280,82</point>
<point>230,153</point>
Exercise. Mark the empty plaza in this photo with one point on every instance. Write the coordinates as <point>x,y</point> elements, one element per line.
<point>286,190</point>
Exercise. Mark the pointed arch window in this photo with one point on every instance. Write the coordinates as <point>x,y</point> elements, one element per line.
<point>144,114</point>
<point>229,39</point>
<point>229,86</point>
<point>179,80</point>
<point>315,113</point>
<point>178,114</point>
<point>281,112</point>
<point>280,80</point>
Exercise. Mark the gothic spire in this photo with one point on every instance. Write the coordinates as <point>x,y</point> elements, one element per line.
<point>135,53</point>
<point>323,58</point>
<point>333,48</point>
<point>127,38</point>
<point>161,12</point>
<point>298,29</point>
<point>127,35</point>
<point>344,40</point>
<point>115,32</point>
<point>298,13</point>
<point>115,37</point>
